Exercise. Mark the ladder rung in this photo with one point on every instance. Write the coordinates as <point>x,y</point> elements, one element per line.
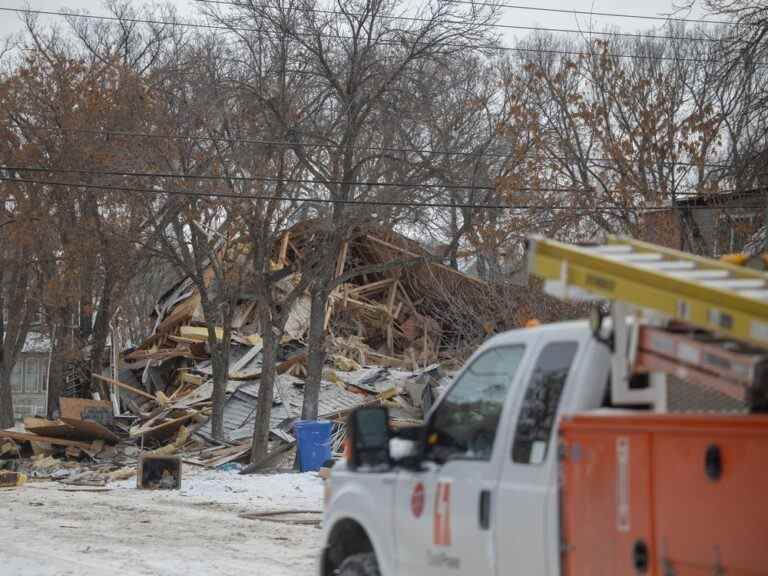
<point>666,265</point>
<point>700,274</point>
<point>636,257</point>
<point>756,294</point>
<point>735,284</point>
<point>611,249</point>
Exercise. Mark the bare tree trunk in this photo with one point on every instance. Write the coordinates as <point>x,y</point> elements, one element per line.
<point>220,361</point>
<point>219,351</point>
<point>86,302</point>
<point>101,332</point>
<point>6,398</point>
<point>260,445</point>
<point>56,370</point>
<point>316,354</point>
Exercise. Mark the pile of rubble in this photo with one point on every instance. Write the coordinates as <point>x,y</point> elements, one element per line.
<point>90,446</point>
<point>386,333</point>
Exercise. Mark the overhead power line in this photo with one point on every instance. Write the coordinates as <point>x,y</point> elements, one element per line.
<point>488,47</point>
<point>637,35</point>
<point>330,145</point>
<point>369,202</point>
<point>268,197</point>
<point>591,13</point>
<point>213,177</point>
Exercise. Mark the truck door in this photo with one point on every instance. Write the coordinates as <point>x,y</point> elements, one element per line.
<point>527,537</point>
<point>444,516</point>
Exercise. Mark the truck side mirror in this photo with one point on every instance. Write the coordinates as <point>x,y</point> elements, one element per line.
<point>368,436</point>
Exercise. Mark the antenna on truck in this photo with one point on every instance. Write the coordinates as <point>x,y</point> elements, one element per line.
<point>704,320</point>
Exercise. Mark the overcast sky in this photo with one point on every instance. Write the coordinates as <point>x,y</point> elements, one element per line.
<point>9,22</point>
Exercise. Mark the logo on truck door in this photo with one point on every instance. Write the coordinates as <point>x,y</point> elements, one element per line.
<point>417,500</point>
<point>441,526</point>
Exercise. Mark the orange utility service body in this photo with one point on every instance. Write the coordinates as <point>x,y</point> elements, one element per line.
<point>664,495</point>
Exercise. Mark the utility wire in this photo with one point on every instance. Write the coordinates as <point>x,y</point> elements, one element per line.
<point>213,177</point>
<point>403,204</point>
<point>331,145</point>
<point>638,35</point>
<point>246,196</point>
<point>590,12</point>
<point>488,47</point>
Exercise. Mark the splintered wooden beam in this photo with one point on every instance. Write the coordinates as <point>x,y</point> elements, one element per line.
<point>125,387</point>
<point>26,437</point>
<point>92,429</point>
<point>283,367</point>
<point>414,255</point>
<point>284,247</point>
<point>342,260</point>
<point>372,287</point>
<point>164,428</point>
<point>392,296</point>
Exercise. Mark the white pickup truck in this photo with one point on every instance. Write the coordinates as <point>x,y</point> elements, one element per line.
<point>481,496</point>
<point>517,470</point>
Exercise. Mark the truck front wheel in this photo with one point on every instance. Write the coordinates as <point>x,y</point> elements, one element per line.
<point>359,565</point>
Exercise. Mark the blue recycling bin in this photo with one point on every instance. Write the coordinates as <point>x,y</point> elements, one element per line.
<point>313,438</point>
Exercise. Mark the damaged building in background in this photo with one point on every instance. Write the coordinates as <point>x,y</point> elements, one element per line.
<point>29,377</point>
<point>388,333</point>
<point>384,329</point>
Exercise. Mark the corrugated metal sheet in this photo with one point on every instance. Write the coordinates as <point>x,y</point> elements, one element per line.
<point>240,409</point>
<point>758,243</point>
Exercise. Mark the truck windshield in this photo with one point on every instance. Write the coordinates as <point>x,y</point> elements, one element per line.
<point>464,425</point>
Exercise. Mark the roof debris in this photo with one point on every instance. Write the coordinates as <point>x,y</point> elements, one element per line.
<point>388,332</point>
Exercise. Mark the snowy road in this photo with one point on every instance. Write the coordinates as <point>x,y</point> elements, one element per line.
<point>45,531</point>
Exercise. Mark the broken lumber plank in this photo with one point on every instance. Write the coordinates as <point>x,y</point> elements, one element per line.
<point>282,257</point>
<point>269,459</point>
<point>126,387</point>
<point>384,360</point>
<point>182,340</point>
<point>53,428</point>
<point>436,264</point>
<point>35,438</point>
<point>342,260</point>
<point>92,429</point>
<point>228,455</point>
<point>167,354</point>
<point>183,311</point>
<point>199,333</point>
<point>373,287</point>
<point>162,429</point>
<point>283,367</point>
<point>189,378</point>
<point>79,408</point>
<point>62,429</point>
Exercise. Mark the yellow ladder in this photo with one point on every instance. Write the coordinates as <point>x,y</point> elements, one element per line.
<point>705,293</point>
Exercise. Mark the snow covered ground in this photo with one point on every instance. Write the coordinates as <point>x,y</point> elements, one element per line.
<point>46,530</point>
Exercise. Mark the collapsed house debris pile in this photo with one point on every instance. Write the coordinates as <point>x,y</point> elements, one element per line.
<point>386,335</point>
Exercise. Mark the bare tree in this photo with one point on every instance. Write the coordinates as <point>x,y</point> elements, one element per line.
<point>363,57</point>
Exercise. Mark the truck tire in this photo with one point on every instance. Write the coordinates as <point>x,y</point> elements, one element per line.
<point>359,565</point>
